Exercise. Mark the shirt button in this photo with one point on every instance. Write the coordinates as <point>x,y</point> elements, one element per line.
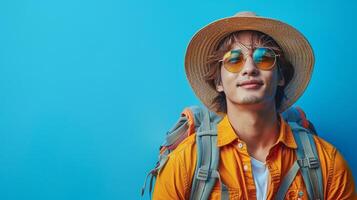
<point>245,167</point>
<point>240,145</point>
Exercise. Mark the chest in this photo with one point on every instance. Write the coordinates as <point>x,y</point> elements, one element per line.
<point>236,171</point>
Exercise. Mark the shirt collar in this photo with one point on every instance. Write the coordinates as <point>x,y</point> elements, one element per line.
<point>226,134</point>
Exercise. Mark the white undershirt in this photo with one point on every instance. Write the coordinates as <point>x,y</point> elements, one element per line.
<point>260,174</point>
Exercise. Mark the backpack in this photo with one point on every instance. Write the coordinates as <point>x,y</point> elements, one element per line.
<point>203,122</point>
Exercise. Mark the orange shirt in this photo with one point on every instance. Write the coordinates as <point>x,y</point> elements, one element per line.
<point>174,180</point>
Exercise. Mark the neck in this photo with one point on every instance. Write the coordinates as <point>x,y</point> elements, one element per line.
<point>258,128</point>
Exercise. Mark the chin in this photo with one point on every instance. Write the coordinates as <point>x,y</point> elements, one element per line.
<point>251,100</point>
<point>247,100</point>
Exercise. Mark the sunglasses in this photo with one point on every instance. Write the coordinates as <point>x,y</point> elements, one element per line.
<point>264,58</point>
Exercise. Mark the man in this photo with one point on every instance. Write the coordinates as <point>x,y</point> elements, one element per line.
<point>249,69</point>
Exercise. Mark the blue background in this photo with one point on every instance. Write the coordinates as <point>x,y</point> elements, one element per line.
<point>89,88</point>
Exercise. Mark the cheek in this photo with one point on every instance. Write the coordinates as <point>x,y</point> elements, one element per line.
<point>228,79</point>
<point>271,79</point>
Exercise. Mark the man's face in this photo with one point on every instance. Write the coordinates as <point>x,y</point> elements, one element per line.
<point>261,89</point>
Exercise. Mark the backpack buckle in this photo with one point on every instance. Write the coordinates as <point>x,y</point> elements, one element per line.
<point>313,162</point>
<point>310,162</point>
<point>202,174</point>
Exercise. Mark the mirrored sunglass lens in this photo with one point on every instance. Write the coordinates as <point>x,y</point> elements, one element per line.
<point>264,58</point>
<point>234,61</point>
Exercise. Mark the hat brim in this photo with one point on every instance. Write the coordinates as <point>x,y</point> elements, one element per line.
<point>294,45</point>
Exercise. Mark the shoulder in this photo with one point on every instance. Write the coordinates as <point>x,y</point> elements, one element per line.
<point>330,152</point>
<point>325,148</point>
<point>186,145</point>
<point>183,157</point>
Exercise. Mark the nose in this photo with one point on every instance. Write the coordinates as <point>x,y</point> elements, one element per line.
<point>249,68</point>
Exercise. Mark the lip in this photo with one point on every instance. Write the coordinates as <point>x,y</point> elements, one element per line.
<point>250,84</point>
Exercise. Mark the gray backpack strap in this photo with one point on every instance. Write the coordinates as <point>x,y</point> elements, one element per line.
<point>308,162</point>
<point>286,182</point>
<point>207,156</point>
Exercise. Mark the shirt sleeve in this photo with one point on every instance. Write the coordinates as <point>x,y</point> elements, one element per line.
<point>342,184</point>
<point>172,182</point>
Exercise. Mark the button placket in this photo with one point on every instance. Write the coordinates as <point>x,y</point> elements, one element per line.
<point>246,168</point>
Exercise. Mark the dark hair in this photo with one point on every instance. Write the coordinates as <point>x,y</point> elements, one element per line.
<point>213,76</point>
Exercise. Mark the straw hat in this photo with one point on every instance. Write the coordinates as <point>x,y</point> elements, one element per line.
<point>295,46</point>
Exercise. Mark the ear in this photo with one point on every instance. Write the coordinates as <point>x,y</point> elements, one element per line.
<point>219,87</point>
<point>281,81</point>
